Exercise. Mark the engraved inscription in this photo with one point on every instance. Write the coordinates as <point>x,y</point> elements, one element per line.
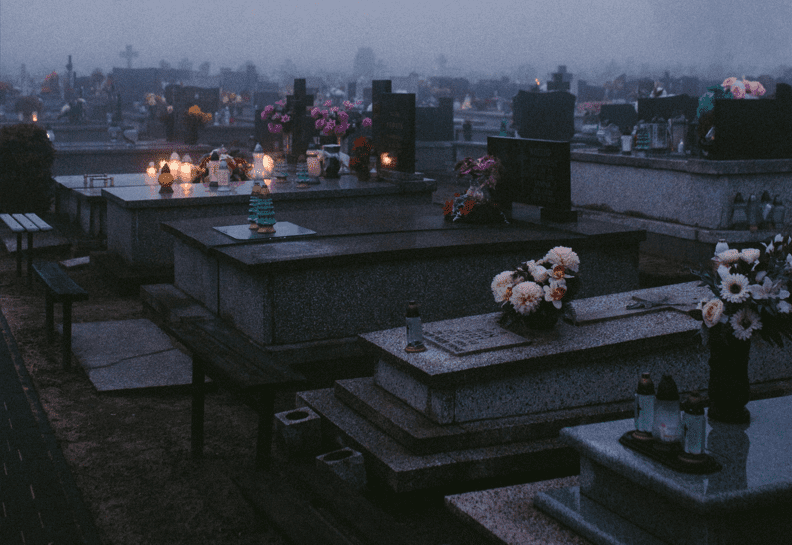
<point>463,340</point>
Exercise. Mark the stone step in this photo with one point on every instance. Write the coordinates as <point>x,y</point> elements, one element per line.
<point>423,436</point>
<point>395,466</point>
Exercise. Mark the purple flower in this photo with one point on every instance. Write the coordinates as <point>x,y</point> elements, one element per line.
<point>276,117</point>
<point>281,102</point>
<point>285,118</point>
<point>275,127</point>
<point>366,122</point>
<point>334,109</point>
<point>328,103</point>
<point>348,105</point>
<point>320,123</point>
<point>343,116</point>
<point>315,112</point>
<point>341,129</point>
<point>267,111</point>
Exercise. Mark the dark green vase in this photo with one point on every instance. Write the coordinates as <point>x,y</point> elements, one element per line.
<point>729,389</point>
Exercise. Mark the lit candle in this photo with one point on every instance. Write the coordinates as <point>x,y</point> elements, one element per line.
<point>174,163</point>
<point>268,165</point>
<point>258,162</point>
<point>314,166</point>
<point>151,171</point>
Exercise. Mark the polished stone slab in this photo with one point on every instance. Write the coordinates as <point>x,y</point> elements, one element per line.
<point>283,229</point>
<point>749,500</point>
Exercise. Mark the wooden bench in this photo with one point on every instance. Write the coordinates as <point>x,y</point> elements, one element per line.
<point>235,363</point>
<point>59,288</point>
<point>25,223</point>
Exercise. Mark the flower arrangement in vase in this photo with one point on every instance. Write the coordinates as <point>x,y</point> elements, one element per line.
<point>477,204</point>
<point>751,288</point>
<point>194,120</point>
<point>360,160</point>
<point>537,293</point>
<point>742,88</point>
<point>334,121</point>
<point>277,118</point>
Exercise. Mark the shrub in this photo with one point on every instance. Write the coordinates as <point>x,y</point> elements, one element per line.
<point>26,157</point>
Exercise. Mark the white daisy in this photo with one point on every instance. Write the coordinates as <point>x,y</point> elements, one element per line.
<point>561,255</point>
<point>526,297</point>
<point>502,286</point>
<point>712,312</point>
<point>744,322</point>
<point>734,288</point>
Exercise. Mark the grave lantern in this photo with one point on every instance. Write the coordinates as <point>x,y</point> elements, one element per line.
<point>174,162</point>
<point>258,162</point>
<point>186,169</point>
<point>151,171</point>
<point>223,175</point>
<point>314,165</point>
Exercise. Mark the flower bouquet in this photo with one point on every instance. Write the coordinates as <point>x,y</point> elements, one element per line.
<point>194,120</point>
<point>359,161</point>
<point>535,294</point>
<point>751,292</point>
<point>742,88</point>
<point>477,204</point>
<point>277,118</point>
<point>334,121</point>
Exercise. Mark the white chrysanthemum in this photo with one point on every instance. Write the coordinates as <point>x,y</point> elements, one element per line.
<point>526,296</point>
<point>750,255</point>
<point>539,273</point>
<point>744,322</point>
<point>784,307</point>
<point>712,312</point>
<point>555,292</point>
<point>734,288</point>
<point>729,256</point>
<point>502,286</point>
<point>561,255</point>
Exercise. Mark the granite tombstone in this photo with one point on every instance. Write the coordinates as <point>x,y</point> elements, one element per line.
<point>534,172</point>
<point>545,116</point>
<point>394,138</point>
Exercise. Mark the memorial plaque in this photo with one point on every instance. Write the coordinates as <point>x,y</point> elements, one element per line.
<point>534,172</point>
<point>394,121</point>
<point>283,230</point>
<point>461,341</point>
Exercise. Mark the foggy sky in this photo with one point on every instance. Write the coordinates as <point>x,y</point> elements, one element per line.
<point>486,37</point>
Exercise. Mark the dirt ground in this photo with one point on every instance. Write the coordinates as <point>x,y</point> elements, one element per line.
<point>129,452</point>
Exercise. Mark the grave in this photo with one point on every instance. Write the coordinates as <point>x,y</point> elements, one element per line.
<point>544,116</point>
<point>482,402</point>
<point>266,289</point>
<point>534,172</point>
<point>752,129</point>
<point>394,138</point>
<point>134,213</point>
<point>623,495</point>
<point>623,116</point>
<point>435,123</point>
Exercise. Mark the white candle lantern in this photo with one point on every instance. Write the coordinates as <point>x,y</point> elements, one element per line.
<point>314,166</point>
<point>258,162</point>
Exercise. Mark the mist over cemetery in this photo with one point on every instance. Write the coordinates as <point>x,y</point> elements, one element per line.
<point>397,309</point>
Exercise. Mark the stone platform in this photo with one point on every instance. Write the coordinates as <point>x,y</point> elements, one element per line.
<point>625,497</point>
<point>434,418</point>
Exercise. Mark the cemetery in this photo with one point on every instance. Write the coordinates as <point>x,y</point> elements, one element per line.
<point>312,319</point>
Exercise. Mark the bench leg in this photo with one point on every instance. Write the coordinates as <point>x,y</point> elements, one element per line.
<point>67,327</point>
<point>29,258</point>
<point>266,410</point>
<point>19,254</point>
<point>49,315</point>
<point>198,394</point>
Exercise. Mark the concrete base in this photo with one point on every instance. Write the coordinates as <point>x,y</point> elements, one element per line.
<point>129,354</point>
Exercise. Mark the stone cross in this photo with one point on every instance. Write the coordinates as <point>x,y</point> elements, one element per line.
<point>296,105</point>
<point>128,54</point>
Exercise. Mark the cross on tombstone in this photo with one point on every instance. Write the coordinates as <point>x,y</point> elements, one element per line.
<point>128,54</point>
<point>560,80</point>
<point>296,105</point>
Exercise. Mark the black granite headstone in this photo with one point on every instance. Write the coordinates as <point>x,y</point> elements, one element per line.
<point>544,116</point>
<point>394,137</point>
<point>434,124</point>
<point>297,106</point>
<point>534,172</point>
<point>622,115</point>
<point>752,129</point>
<point>667,107</point>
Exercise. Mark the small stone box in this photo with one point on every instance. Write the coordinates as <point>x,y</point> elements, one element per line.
<point>298,431</point>
<point>346,463</point>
